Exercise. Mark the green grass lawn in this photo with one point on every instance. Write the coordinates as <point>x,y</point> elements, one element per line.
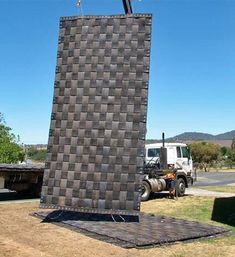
<point>188,207</point>
<point>217,211</point>
<point>214,211</point>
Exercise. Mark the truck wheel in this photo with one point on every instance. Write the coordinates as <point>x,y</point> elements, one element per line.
<point>181,187</point>
<point>146,191</point>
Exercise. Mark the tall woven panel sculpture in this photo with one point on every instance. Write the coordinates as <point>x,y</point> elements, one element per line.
<point>98,123</point>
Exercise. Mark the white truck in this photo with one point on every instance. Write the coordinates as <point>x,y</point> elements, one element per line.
<point>176,157</point>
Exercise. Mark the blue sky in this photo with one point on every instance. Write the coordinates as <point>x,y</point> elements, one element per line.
<point>192,74</point>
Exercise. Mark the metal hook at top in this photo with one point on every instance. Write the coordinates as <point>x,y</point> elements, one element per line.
<point>127,6</point>
<point>79,5</point>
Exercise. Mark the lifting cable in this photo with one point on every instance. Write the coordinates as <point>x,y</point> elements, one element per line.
<point>79,6</point>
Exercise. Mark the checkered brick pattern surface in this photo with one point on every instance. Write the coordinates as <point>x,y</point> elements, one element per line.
<point>96,141</point>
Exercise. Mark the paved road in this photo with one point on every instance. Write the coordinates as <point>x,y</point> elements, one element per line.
<point>215,179</point>
<point>212,179</point>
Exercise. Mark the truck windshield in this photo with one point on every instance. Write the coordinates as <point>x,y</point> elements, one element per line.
<point>154,152</point>
<point>185,152</point>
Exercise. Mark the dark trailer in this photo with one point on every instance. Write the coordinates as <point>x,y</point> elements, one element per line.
<point>22,178</point>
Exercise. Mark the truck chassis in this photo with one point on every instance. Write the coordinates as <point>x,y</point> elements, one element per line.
<point>154,180</point>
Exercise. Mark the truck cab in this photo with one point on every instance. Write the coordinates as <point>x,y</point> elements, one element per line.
<point>177,158</point>
<point>178,155</point>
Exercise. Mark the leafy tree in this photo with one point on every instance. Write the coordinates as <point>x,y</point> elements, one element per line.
<point>204,154</point>
<point>233,144</point>
<point>223,156</point>
<point>230,161</point>
<point>224,150</point>
<point>10,150</point>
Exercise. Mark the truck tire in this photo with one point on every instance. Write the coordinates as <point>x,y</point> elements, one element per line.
<point>181,187</point>
<point>146,191</point>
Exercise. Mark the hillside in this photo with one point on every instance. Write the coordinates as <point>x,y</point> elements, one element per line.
<point>224,139</point>
<point>192,136</point>
<point>198,136</point>
<point>226,136</point>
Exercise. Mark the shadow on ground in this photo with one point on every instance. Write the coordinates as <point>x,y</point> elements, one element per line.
<point>61,215</point>
<point>159,195</point>
<point>224,210</point>
<point>162,195</point>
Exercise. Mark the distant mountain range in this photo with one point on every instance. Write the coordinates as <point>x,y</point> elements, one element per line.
<point>184,137</point>
<point>197,136</point>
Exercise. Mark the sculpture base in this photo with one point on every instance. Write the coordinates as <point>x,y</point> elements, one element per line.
<point>124,231</point>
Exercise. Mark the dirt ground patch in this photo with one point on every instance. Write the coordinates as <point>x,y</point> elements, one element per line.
<point>22,235</point>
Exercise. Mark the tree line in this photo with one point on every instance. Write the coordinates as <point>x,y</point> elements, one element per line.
<point>207,155</point>
<point>204,154</point>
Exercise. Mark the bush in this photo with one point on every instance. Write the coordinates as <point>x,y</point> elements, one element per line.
<point>36,155</point>
<point>204,154</point>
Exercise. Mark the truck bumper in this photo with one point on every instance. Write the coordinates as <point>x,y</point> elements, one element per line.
<point>189,180</point>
